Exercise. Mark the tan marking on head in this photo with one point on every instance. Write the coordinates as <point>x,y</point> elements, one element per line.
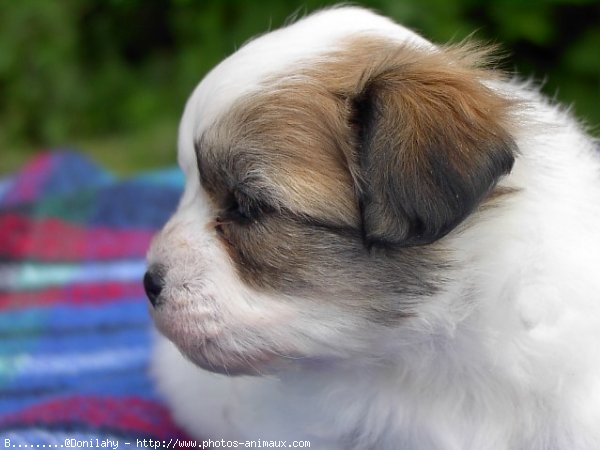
<point>389,143</point>
<point>299,134</point>
<point>303,124</point>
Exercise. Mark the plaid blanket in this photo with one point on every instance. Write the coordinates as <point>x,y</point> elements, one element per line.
<point>75,332</point>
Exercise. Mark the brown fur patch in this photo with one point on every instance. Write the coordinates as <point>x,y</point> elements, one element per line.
<point>378,142</point>
<point>432,138</point>
<point>295,137</point>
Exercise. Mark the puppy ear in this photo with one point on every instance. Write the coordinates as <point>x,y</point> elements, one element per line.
<point>432,143</point>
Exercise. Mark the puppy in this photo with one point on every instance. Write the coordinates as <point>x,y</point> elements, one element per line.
<point>382,244</point>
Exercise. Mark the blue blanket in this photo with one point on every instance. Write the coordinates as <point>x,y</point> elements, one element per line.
<point>75,333</point>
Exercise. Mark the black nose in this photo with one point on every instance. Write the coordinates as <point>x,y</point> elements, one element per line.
<point>153,284</point>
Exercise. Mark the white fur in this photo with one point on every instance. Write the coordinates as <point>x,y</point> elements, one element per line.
<point>508,356</point>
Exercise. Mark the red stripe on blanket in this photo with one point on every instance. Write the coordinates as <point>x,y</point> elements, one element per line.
<point>51,239</point>
<point>76,294</point>
<point>127,414</point>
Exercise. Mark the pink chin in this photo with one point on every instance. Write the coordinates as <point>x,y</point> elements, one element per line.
<point>206,353</point>
<point>256,363</point>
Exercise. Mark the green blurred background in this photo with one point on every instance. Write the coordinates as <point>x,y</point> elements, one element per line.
<point>110,77</point>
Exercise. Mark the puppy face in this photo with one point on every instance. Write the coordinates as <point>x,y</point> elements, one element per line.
<point>321,189</point>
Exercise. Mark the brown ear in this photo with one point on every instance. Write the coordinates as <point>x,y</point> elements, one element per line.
<point>432,143</point>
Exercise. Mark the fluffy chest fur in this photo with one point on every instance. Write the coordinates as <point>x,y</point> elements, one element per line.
<point>390,245</point>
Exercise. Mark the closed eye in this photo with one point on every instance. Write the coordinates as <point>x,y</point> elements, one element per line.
<point>242,209</point>
<point>236,212</point>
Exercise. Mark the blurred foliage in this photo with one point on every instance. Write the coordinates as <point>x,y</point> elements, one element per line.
<point>113,75</point>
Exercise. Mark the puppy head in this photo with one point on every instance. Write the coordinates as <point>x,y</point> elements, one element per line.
<point>320,186</point>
